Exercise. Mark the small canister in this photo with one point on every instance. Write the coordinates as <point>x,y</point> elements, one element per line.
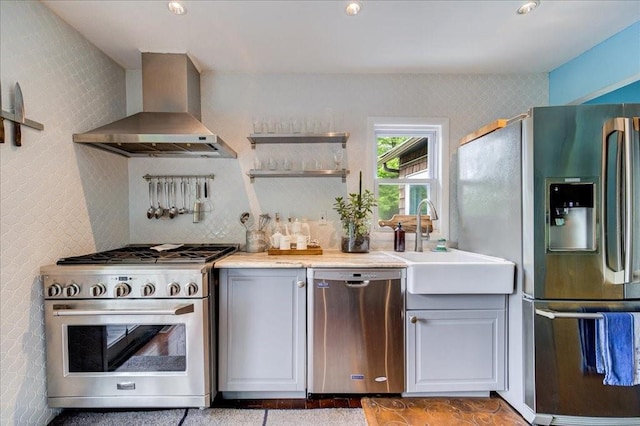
<point>256,242</point>
<point>285,242</point>
<point>301,242</point>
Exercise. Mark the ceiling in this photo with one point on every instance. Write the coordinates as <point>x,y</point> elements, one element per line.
<point>459,36</point>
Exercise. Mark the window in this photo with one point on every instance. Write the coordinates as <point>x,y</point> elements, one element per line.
<point>411,163</point>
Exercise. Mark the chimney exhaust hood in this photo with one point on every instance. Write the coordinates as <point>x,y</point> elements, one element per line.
<point>169,125</point>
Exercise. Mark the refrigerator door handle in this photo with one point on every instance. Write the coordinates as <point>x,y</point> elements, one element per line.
<point>617,198</point>
<point>576,315</point>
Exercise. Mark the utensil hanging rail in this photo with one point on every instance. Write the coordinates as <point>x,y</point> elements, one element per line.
<point>148,177</point>
<point>576,315</point>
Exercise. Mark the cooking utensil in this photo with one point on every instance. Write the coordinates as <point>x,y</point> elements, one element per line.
<point>208,206</point>
<point>159,210</point>
<point>166,198</point>
<point>263,222</point>
<point>1,118</point>
<point>152,210</point>
<point>173,211</point>
<point>244,218</point>
<point>409,222</point>
<point>19,116</point>
<point>198,214</point>
<point>183,209</point>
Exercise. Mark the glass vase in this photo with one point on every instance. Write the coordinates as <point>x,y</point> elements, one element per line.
<point>355,238</point>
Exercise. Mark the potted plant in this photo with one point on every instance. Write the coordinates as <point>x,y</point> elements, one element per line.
<point>355,214</point>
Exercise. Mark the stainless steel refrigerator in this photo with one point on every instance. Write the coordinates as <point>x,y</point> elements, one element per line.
<point>557,191</point>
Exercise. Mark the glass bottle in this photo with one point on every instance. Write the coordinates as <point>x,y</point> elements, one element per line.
<point>277,226</point>
<point>398,238</point>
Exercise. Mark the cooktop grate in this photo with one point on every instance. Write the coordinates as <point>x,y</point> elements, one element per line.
<point>144,254</point>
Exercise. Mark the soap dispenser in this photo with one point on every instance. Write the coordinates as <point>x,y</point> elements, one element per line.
<point>398,238</point>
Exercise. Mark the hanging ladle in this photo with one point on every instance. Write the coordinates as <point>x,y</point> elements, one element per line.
<point>173,211</point>
<point>183,209</point>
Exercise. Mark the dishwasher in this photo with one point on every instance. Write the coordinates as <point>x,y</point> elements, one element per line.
<point>356,320</point>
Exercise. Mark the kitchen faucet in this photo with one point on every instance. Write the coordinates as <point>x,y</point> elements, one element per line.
<point>434,216</point>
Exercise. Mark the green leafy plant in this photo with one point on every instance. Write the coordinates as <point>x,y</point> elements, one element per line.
<point>357,210</point>
<point>355,214</point>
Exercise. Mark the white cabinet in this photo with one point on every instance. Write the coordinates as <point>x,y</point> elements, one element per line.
<point>455,344</point>
<point>262,327</point>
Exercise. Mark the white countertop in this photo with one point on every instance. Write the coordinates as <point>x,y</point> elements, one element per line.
<point>328,259</point>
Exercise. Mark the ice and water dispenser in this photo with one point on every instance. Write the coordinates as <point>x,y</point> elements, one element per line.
<point>572,219</point>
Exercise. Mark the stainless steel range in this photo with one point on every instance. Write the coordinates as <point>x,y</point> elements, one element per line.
<point>132,327</point>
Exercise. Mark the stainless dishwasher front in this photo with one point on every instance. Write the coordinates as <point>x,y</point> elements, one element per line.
<point>356,319</point>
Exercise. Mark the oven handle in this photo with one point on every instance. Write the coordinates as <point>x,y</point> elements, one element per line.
<point>177,310</point>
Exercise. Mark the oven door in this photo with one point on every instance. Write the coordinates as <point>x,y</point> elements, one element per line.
<point>128,353</point>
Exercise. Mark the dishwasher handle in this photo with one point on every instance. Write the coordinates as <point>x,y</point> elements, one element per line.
<point>356,284</point>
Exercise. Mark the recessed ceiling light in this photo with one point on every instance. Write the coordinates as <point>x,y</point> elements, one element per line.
<point>353,8</point>
<point>176,7</point>
<point>528,7</point>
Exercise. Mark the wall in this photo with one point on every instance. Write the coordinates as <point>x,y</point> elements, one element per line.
<point>606,67</point>
<point>56,199</point>
<point>624,95</point>
<point>231,99</point>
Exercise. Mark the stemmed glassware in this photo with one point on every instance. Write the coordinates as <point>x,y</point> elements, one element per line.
<point>338,154</point>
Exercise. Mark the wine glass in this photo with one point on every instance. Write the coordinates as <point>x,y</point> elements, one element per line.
<point>338,154</point>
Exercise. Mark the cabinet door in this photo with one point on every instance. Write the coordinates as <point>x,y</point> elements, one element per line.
<point>262,330</point>
<point>455,351</point>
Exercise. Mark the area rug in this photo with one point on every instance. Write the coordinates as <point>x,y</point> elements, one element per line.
<point>214,416</point>
<point>119,418</point>
<point>440,411</point>
<point>319,417</point>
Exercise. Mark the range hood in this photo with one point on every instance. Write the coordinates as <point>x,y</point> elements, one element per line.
<point>169,125</point>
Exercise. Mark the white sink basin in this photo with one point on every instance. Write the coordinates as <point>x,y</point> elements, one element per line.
<point>456,272</point>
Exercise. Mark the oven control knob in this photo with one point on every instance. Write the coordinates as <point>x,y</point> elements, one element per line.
<point>97,290</point>
<point>192,289</point>
<point>54,290</point>
<point>148,290</point>
<point>122,290</point>
<point>174,289</point>
<point>72,290</point>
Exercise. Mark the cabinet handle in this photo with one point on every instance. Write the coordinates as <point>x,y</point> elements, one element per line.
<point>301,284</point>
<point>413,319</point>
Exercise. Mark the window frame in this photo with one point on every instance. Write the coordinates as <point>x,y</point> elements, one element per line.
<point>437,129</point>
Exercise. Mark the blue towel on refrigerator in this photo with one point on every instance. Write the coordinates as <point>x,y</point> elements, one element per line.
<point>587,333</point>
<point>636,346</point>
<point>617,348</point>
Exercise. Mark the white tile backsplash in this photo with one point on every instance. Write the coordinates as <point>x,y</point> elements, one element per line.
<point>230,100</point>
<point>56,199</point>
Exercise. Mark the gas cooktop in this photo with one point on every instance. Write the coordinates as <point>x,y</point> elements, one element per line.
<point>146,254</point>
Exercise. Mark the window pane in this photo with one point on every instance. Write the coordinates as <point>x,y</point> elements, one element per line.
<point>400,198</point>
<point>403,157</point>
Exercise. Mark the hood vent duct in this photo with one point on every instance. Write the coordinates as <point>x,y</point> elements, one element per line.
<point>169,125</point>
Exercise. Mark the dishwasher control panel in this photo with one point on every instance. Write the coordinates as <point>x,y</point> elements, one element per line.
<point>358,274</point>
